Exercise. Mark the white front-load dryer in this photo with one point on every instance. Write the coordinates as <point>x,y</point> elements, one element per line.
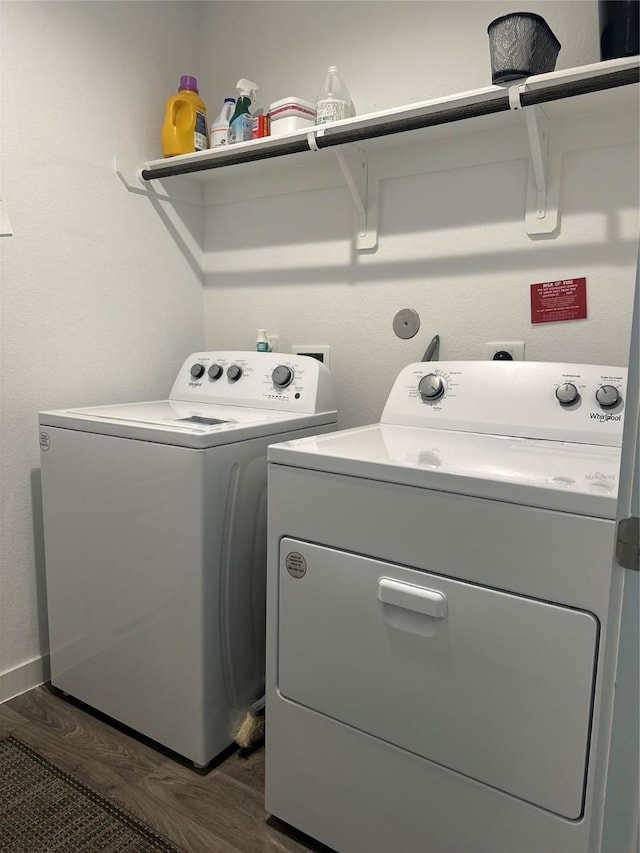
<point>443,614</point>
<point>155,543</point>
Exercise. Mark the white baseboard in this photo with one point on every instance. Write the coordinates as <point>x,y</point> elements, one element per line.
<point>21,678</point>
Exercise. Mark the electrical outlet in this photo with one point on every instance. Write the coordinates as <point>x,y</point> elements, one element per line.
<point>320,351</point>
<point>504,351</point>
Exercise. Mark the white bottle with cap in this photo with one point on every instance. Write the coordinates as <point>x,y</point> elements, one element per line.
<point>219,130</point>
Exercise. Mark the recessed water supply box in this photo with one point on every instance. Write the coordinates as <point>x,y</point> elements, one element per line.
<point>521,44</point>
<point>291,114</point>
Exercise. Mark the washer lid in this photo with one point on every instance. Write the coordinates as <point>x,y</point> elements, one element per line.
<point>195,425</point>
<point>557,475</point>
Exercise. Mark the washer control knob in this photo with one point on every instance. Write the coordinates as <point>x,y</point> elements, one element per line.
<point>215,372</point>
<point>282,376</point>
<point>234,372</point>
<point>431,386</point>
<point>608,396</point>
<point>567,393</point>
<point>197,370</point>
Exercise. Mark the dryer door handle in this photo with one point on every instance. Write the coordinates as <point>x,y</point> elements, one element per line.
<point>430,602</point>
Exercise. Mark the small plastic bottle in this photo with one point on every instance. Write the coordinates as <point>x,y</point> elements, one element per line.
<point>262,341</point>
<point>334,101</point>
<point>184,129</point>
<point>219,130</point>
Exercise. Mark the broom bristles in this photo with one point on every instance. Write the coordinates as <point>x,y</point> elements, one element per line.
<point>251,731</point>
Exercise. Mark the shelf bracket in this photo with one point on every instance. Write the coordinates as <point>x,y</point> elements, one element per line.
<point>364,192</point>
<point>184,190</point>
<point>176,214</point>
<point>544,169</point>
<point>538,133</point>
<point>359,187</point>
<point>543,183</point>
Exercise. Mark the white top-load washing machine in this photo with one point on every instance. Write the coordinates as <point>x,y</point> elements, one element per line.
<point>442,614</point>
<point>155,543</point>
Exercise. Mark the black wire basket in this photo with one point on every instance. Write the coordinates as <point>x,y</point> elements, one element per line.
<point>521,44</point>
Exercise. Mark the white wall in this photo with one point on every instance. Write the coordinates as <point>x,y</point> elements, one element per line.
<point>98,302</point>
<point>452,243</point>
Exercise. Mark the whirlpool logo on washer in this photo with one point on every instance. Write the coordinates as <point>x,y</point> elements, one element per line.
<point>604,418</point>
<point>295,564</point>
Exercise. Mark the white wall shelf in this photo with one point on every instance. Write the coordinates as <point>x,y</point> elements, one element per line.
<point>590,92</point>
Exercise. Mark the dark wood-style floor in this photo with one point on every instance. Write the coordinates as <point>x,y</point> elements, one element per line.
<point>216,810</point>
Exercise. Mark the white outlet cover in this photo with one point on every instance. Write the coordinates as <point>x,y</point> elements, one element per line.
<point>514,348</point>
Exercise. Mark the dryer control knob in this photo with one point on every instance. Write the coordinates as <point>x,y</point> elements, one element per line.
<point>197,370</point>
<point>234,372</point>
<point>608,396</point>
<point>215,372</point>
<point>567,393</point>
<point>282,376</point>
<point>431,386</point>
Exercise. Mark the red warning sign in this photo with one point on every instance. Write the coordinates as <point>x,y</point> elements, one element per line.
<point>559,300</point>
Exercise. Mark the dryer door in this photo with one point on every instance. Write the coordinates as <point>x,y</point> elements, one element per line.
<point>492,685</point>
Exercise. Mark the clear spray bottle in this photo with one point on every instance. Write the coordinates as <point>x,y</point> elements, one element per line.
<point>241,125</point>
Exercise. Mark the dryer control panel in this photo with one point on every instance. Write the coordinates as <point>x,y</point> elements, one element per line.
<point>564,402</point>
<point>259,380</point>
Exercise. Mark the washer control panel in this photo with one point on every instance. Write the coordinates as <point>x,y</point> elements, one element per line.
<point>295,383</point>
<point>563,402</point>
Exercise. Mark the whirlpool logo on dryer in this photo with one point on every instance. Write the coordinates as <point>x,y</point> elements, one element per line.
<point>597,475</point>
<point>604,418</point>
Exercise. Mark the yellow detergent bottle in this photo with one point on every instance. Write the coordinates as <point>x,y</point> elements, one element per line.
<point>185,121</point>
